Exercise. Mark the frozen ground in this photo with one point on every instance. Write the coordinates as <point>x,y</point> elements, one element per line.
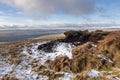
<point>24,70</point>
<point>61,49</point>
<point>5,67</point>
<point>93,73</point>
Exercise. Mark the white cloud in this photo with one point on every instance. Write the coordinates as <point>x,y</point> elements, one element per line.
<point>47,7</point>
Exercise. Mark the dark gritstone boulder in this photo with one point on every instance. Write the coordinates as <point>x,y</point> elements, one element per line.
<point>72,36</point>
<point>76,38</point>
<point>49,46</point>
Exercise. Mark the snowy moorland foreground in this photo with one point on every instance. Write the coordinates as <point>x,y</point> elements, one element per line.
<point>34,60</point>
<point>81,55</point>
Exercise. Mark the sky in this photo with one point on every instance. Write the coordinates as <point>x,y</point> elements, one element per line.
<point>40,12</point>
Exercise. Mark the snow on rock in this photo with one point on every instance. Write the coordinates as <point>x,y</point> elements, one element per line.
<point>61,49</point>
<point>93,73</point>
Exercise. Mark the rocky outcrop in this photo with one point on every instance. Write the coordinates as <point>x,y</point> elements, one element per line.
<point>85,57</point>
<point>84,36</point>
<point>76,38</point>
<point>103,55</point>
<point>48,47</point>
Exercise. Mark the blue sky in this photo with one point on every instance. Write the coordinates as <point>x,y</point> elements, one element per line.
<point>38,12</point>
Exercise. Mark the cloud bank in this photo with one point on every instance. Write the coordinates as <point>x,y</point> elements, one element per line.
<point>50,7</point>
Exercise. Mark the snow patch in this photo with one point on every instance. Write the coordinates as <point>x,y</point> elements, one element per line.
<point>67,76</point>
<point>61,49</point>
<point>93,73</point>
<point>94,45</point>
<point>24,70</point>
<point>5,67</point>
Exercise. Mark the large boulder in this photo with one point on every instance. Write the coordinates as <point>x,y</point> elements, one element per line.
<point>47,47</point>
